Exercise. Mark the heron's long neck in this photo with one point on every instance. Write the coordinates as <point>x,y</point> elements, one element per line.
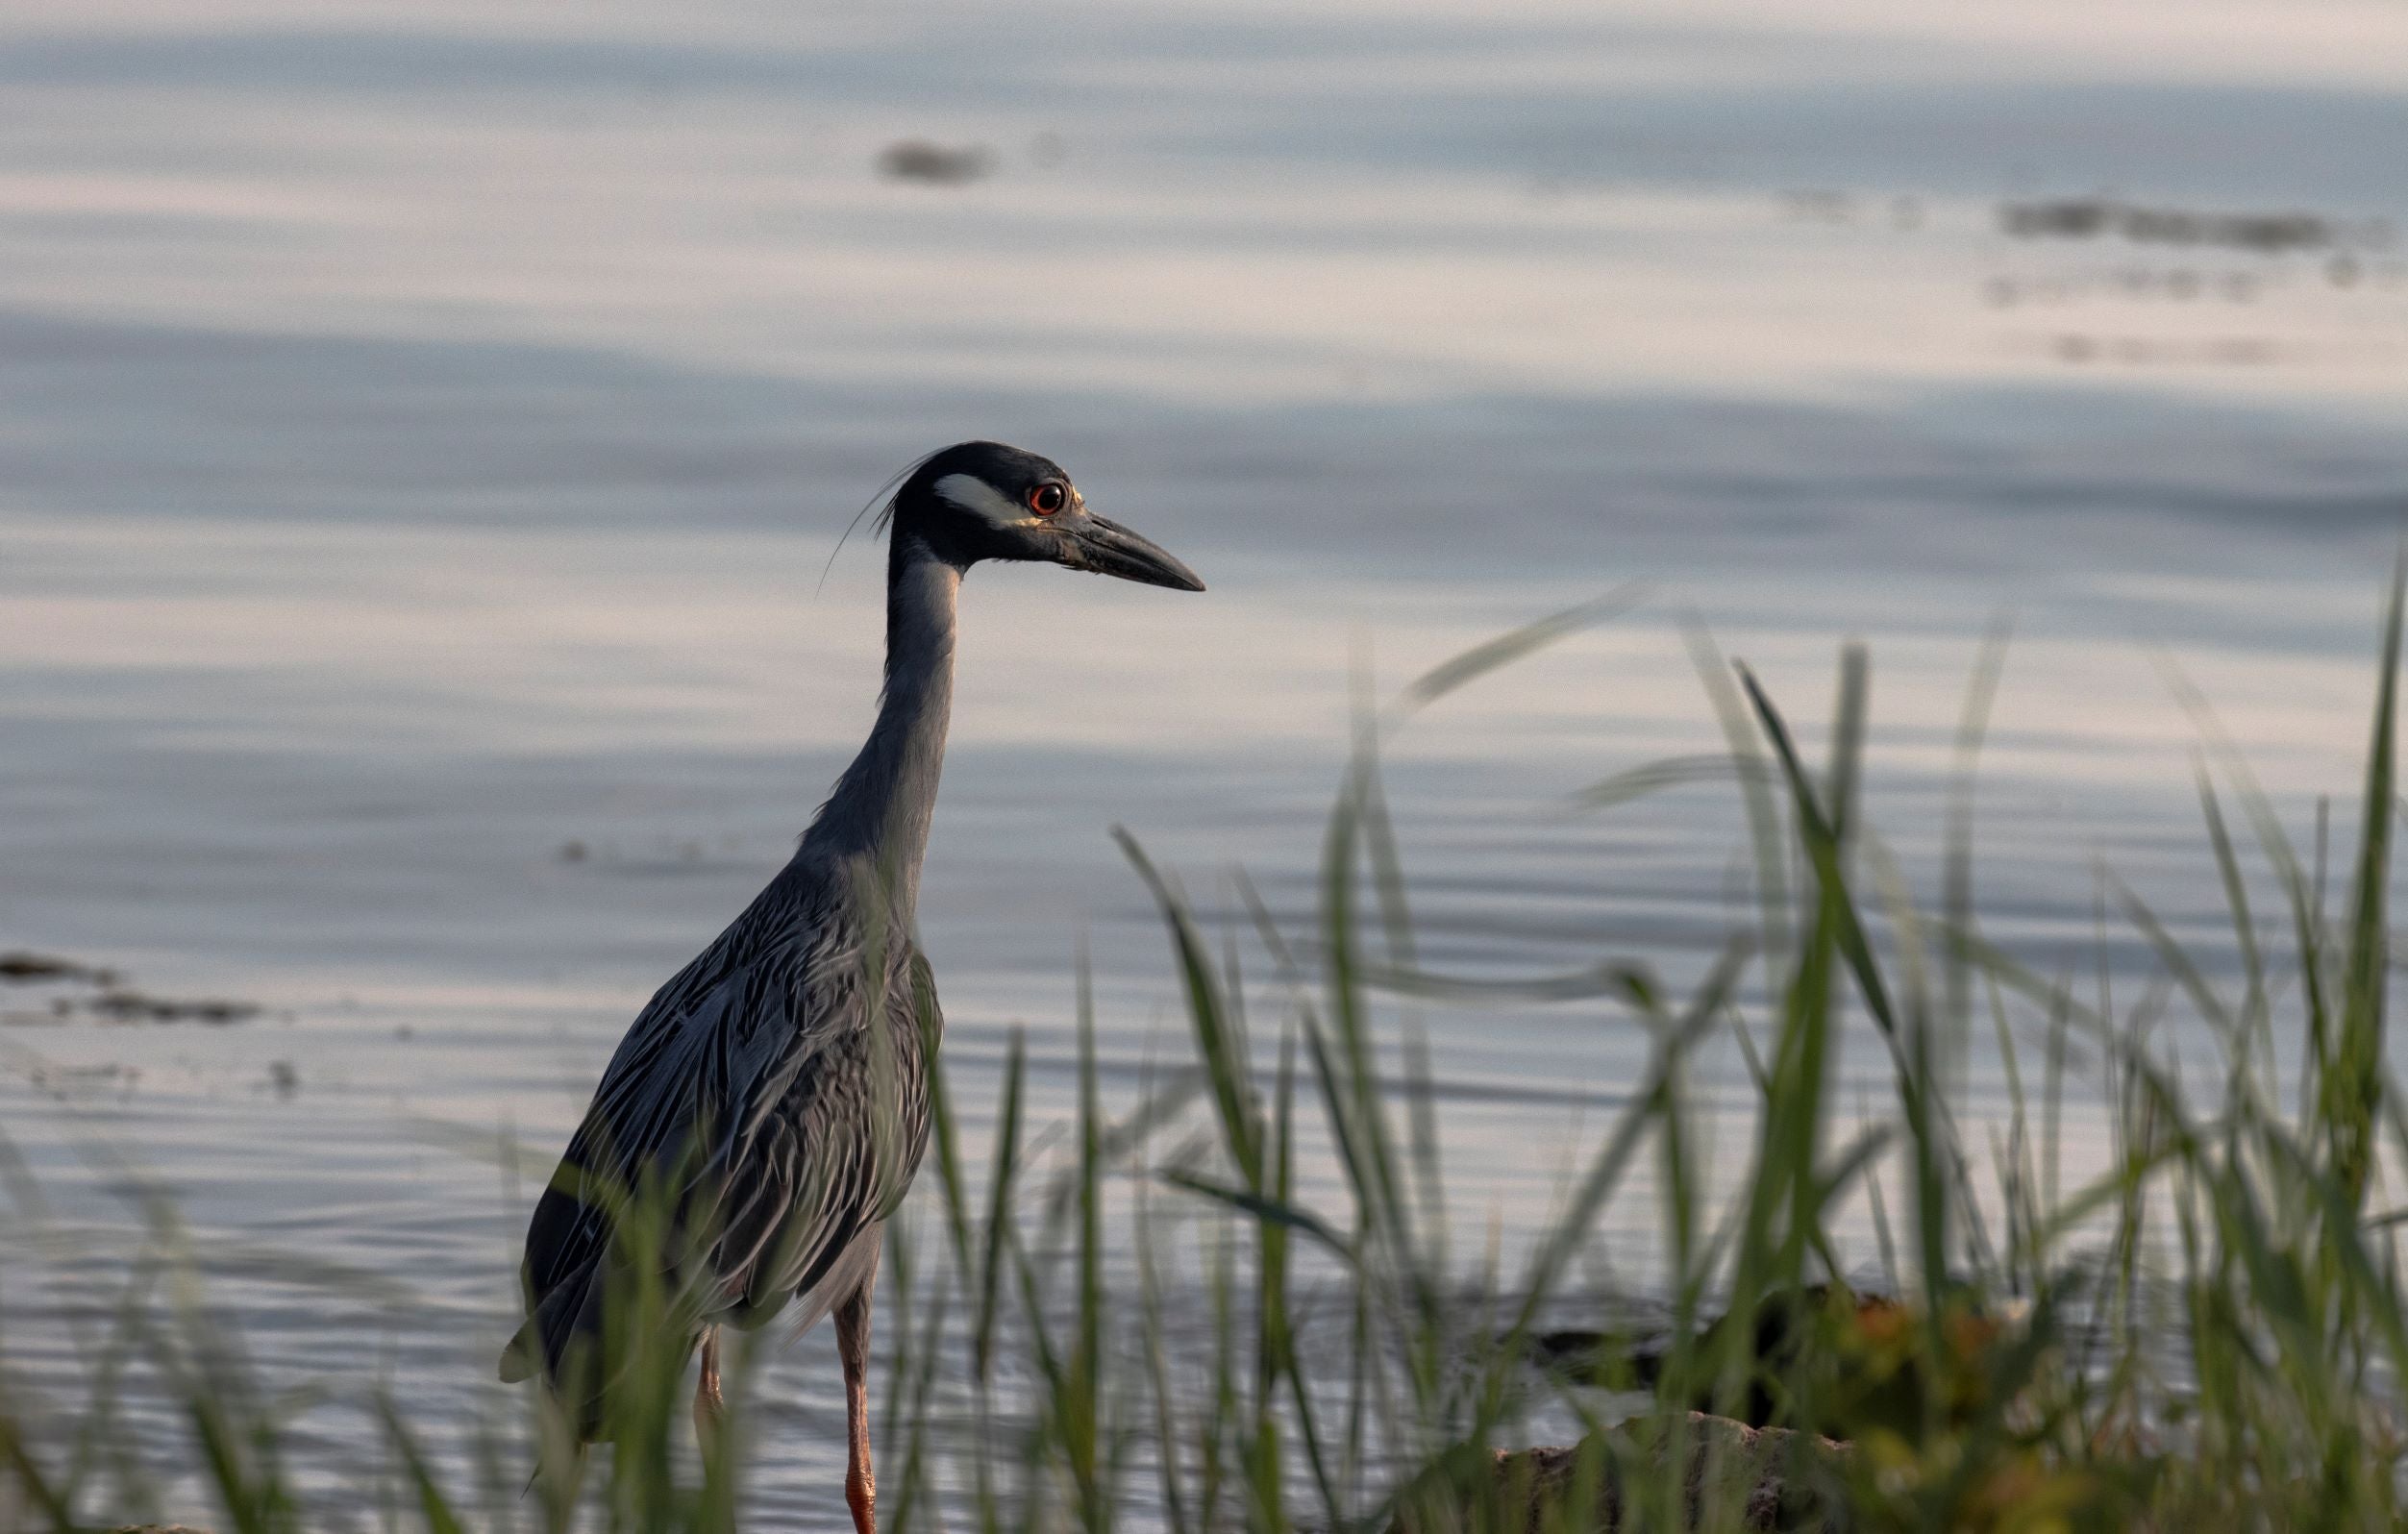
<point>882,805</point>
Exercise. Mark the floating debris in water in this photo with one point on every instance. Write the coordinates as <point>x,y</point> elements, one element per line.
<point>110,1000</point>
<point>133,1006</point>
<point>282,1080</point>
<point>934,164</point>
<point>2100,217</point>
<point>25,969</point>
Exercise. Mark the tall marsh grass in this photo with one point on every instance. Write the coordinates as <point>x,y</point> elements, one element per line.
<point>2212,1329</point>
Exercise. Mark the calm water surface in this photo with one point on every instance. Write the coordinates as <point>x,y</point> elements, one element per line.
<point>423,431</point>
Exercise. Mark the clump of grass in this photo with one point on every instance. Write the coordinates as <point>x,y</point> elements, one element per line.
<point>2213,1327</point>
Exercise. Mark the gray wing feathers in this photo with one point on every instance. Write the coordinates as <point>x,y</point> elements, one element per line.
<point>801,1122</point>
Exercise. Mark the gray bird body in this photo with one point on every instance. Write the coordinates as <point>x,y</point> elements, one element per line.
<point>775,1092</point>
<point>758,1061</point>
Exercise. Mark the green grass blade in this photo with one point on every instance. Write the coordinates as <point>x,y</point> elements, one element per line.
<point>1222,1048</point>
<point>2356,1079</point>
<point>1506,649</point>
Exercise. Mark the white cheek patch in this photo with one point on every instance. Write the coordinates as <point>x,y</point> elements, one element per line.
<point>980,499</point>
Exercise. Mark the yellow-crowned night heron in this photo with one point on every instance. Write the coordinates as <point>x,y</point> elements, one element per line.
<point>772,1096</point>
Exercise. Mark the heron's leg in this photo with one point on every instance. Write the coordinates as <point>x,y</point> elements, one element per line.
<point>711,1408</point>
<point>852,1346</point>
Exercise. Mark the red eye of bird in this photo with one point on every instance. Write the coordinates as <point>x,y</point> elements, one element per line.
<point>1047,499</point>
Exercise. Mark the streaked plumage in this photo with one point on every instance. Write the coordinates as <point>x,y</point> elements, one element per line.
<point>762,1039</point>
<point>777,1086</point>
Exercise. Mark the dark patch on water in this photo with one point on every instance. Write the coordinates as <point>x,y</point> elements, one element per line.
<point>136,1007</point>
<point>31,968</point>
<point>2105,218</point>
<point>934,164</point>
<point>101,995</point>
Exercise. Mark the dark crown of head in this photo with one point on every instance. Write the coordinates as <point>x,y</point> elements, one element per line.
<point>958,533</point>
<point>1010,470</point>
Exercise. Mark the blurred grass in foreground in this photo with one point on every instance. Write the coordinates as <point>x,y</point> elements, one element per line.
<point>2213,1329</point>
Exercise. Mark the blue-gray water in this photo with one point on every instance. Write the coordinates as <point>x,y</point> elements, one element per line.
<point>422,432</point>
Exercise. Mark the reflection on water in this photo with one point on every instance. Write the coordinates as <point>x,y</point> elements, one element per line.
<point>423,436</point>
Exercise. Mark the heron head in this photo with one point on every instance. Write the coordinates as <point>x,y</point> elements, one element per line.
<point>984,501</point>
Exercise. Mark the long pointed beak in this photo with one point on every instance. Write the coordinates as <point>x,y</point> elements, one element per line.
<point>1110,549</point>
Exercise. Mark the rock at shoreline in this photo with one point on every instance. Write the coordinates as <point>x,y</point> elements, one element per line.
<point>1872,1358</point>
<point>1755,1479</point>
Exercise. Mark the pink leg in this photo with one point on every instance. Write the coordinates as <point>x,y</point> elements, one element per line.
<point>852,1346</point>
<point>711,1408</point>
